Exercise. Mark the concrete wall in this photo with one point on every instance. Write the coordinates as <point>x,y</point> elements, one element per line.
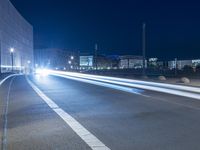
<point>17,33</point>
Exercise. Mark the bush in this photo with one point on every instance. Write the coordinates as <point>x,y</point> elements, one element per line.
<point>188,69</point>
<point>198,68</point>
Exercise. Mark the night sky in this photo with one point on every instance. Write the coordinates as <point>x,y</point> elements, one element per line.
<point>173,27</point>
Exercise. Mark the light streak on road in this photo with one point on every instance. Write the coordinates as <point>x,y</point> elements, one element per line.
<point>117,87</point>
<point>162,85</point>
<point>186,91</point>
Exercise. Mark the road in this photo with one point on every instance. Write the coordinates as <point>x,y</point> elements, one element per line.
<point>144,120</point>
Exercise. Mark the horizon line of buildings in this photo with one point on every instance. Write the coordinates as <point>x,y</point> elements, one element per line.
<point>66,60</point>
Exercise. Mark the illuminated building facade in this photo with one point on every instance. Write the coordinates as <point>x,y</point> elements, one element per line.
<point>16,39</point>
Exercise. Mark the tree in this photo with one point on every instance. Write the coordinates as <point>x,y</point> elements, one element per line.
<point>188,69</point>
<point>198,68</point>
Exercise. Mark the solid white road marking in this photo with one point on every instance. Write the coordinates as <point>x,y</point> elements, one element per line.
<point>93,142</point>
<point>5,113</point>
<point>1,82</point>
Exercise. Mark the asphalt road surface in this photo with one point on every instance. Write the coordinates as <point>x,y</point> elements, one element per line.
<point>119,120</point>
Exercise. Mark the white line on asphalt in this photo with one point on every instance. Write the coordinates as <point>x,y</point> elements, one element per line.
<point>5,118</point>
<point>1,82</point>
<point>5,115</point>
<point>93,142</point>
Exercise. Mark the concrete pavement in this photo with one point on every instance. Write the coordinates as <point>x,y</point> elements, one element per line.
<point>121,120</point>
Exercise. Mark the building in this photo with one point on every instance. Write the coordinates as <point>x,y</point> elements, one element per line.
<point>105,62</point>
<point>86,62</point>
<point>55,58</point>
<point>179,64</point>
<point>195,62</point>
<point>153,62</point>
<point>101,62</point>
<point>130,61</point>
<point>16,40</point>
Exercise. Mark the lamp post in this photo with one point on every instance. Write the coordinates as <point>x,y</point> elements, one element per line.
<point>95,53</point>
<point>29,67</point>
<point>69,64</point>
<point>175,67</point>
<point>12,58</point>
<point>144,48</point>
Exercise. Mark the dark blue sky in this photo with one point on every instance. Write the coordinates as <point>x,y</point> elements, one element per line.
<point>173,27</point>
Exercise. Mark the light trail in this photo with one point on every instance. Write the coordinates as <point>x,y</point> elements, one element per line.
<point>162,85</point>
<point>113,86</point>
<point>186,91</point>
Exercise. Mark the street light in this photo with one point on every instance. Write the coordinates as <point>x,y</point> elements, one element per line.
<point>11,54</point>
<point>29,67</point>
<point>12,50</point>
<point>72,57</point>
<point>144,49</point>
